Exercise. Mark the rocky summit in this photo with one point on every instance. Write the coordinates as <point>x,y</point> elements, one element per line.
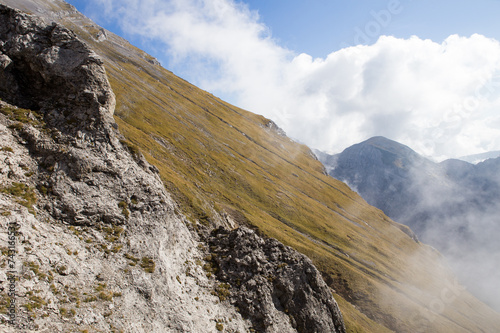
<point>133,201</point>
<point>46,68</point>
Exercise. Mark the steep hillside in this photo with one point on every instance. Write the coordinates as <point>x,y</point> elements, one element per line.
<point>226,166</point>
<point>451,205</point>
<point>91,241</point>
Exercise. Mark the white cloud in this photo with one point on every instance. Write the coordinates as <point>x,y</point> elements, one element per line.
<point>440,99</point>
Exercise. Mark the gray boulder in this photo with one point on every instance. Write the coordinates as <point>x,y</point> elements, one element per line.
<point>47,68</point>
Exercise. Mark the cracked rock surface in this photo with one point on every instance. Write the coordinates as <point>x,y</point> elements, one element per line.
<point>274,285</point>
<point>99,246</point>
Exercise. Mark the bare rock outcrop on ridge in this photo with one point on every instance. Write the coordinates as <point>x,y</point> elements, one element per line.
<point>47,68</point>
<point>272,283</point>
<point>99,246</point>
<point>99,243</point>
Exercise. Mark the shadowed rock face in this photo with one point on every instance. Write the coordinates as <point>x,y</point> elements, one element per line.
<point>45,67</point>
<point>48,69</point>
<point>271,283</point>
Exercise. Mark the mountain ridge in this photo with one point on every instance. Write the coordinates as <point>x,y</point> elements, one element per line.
<point>477,158</point>
<point>90,185</point>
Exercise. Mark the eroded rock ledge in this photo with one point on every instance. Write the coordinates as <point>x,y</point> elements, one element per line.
<point>272,284</point>
<point>46,67</point>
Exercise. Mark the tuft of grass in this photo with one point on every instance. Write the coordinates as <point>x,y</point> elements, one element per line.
<point>62,270</point>
<point>16,126</point>
<point>67,313</point>
<point>34,302</point>
<point>101,287</point>
<point>106,295</point>
<point>222,291</point>
<point>24,194</point>
<point>124,206</point>
<point>112,233</point>
<point>44,190</point>
<point>148,264</point>
<point>89,299</point>
<point>22,116</point>
<point>35,268</point>
<point>116,248</point>
<point>4,303</point>
<point>131,257</point>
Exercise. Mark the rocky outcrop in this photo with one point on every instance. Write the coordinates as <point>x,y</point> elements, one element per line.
<point>82,160</point>
<point>274,286</point>
<point>99,244</point>
<point>46,68</point>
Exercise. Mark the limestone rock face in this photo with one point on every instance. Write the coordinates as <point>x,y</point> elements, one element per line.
<point>278,288</point>
<point>45,67</point>
<point>99,246</point>
<point>99,243</point>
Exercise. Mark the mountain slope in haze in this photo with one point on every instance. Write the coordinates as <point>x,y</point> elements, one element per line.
<point>477,158</point>
<point>452,205</point>
<point>381,170</point>
<point>226,166</point>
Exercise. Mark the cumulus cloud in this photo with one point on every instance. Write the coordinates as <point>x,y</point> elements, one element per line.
<point>441,99</point>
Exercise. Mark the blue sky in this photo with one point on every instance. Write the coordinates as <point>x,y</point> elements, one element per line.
<point>332,73</point>
<point>319,27</point>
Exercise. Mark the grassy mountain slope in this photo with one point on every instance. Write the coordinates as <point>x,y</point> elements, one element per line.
<point>225,165</point>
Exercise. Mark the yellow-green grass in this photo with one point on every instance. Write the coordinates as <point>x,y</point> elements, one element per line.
<point>357,322</point>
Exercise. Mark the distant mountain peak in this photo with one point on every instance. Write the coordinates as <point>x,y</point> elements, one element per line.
<point>389,145</point>
<point>379,140</point>
<point>451,205</point>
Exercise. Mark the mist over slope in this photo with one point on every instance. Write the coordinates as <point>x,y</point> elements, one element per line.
<point>477,158</point>
<point>224,166</point>
<point>453,205</point>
